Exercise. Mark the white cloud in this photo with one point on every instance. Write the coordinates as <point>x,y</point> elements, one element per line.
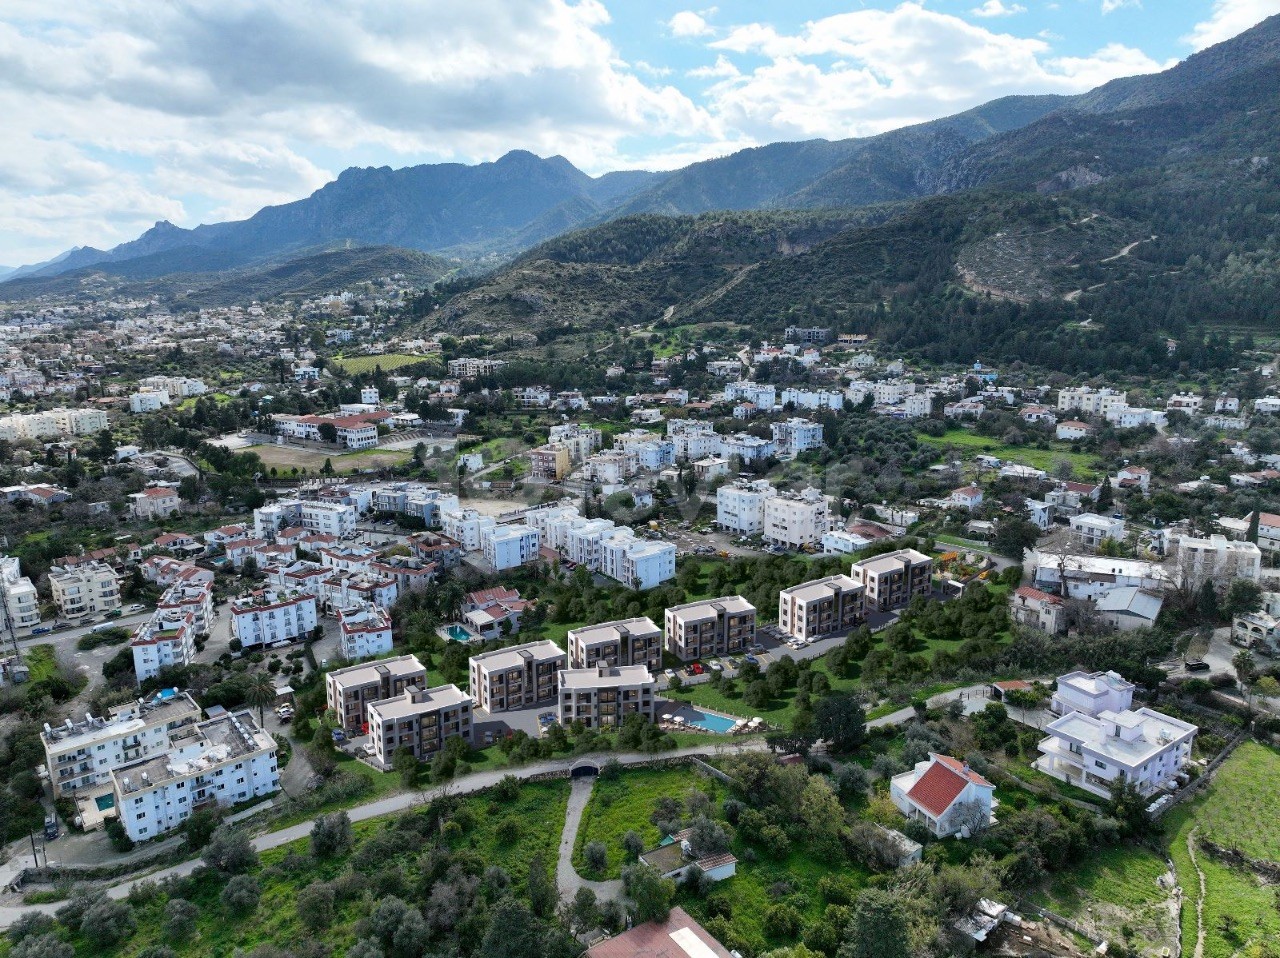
<point>997,8</point>
<point>686,23</point>
<point>722,68</point>
<point>892,67</point>
<point>1111,6</point>
<point>1229,18</point>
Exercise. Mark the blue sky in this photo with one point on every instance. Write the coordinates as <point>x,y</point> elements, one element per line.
<point>123,113</point>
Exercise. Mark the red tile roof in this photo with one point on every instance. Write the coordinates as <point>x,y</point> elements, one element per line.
<point>1031,592</point>
<point>937,789</point>
<point>1013,685</point>
<point>654,940</point>
<point>488,596</point>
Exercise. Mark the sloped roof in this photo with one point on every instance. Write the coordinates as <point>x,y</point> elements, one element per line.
<point>941,784</point>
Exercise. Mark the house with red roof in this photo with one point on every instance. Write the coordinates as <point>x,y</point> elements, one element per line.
<point>945,795</point>
<point>1039,610</point>
<point>967,497</point>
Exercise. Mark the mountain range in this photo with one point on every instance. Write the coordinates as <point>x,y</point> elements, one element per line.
<point>493,211</point>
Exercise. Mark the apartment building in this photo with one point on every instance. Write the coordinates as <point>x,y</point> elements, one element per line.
<point>81,755</point>
<point>19,603</point>
<point>723,626</point>
<point>580,441</point>
<point>79,422</point>
<point>155,502</point>
<point>551,462</point>
<point>509,546</point>
<point>635,641</point>
<point>217,763</point>
<point>166,640</point>
<point>892,580</point>
<point>820,608</point>
<point>517,677</point>
<point>470,367</point>
<point>603,697</point>
<point>749,449</point>
<point>1216,559</point>
<point>1141,746</point>
<point>365,631</point>
<point>349,691</point>
<point>1092,530</point>
<point>740,505</point>
<point>180,387</point>
<point>148,400</point>
<point>268,618</point>
<point>89,589</point>
<point>796,520</point>
<point>793,436</point>
<point>419,720</point>
<point>637,563</point>
<point>465,526</point>
<point>326,518</point>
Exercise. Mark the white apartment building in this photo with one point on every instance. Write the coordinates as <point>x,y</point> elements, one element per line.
<point>812,399</point>
<point>1091,529</point>
<point>21,604</point>
<point>179,387</point>
<point>349,691</point>
<point>365,631</point>
<point>1092,693</point>
<point>326,518</point>
<point>1096,402</point>
<point>612,467</point>
<point>517,677</point>
<point>693,445</point>
<point>465,526</point>
<point>638,563</point>
<point>148,400</point>
<point>1216,558</point>
<point>81,755</point>
<point>155,502</point>
<point>166,640</point>
<point>268,618</point>
<point>762,395</point>
<point>584,540</point>
<point>747,448</point>
<point>635,641</point>
<point>581,441</point>
<point>821,607</point>
<point>1141,746</point>
<point>92,588</point>
<point>917,406</point>
<point>796,520</point>
<point>740,505</point>
<point>794,436</point>
<point>723,626</point>
<point>508,547</point>
<point>604,696</point>
<point>220,762</point>
<point>79,422</point>
<point>419,720</point>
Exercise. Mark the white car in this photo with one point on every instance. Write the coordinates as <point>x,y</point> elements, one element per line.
<point>671,673</point>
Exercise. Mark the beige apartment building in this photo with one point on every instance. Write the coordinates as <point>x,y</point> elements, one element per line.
<point>822,607</point>
<point>622,642</point>
<point>89,589</point>
<point>604,696</point>
<point>722,626</point>
<point>419,720</point>
<point>892,580</point>
<point>516,677</point>
<point>348,692</point>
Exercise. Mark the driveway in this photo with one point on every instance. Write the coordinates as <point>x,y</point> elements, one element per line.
<point>568,881</point>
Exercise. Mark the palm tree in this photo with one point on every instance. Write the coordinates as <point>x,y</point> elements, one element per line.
<point>261,693</point>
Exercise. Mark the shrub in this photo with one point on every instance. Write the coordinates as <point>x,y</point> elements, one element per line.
<point>241,894</point>
<point>229,850</point>
<point>782,921</point>
<point>180,918</point>
<point>331,835</point>
<point>315,905</point>
<point>632,844</point>
<point>28,925</point>
<point>107,922</point>
<point>42,946</point>
<point>596,856</point>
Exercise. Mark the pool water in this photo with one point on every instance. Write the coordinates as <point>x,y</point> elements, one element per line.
<point>105,802</point>
<point>459,634</point>
<point>712,723</point>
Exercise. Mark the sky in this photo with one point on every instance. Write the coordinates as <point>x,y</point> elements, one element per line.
<point>120,113</point>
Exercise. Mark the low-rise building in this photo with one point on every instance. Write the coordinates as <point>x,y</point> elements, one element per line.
<point>348,691</point>
<point>1092,530</point>
<point>966,497</point>
<point>517,677</point>
<point>155,502</point>
<point>675,857</point>
<point>794,436</point>
<point>892,580</point>
<point>723,626</point>
<point>21,604</point>
<point>510,546</point>
<point>945,795</point>
<point>166,640</point>
<point>89,589</point>
<point>820,608</point>
<point>603,697</point>
<point>365,631</point>
<point>551,462</point>
<point>418,720</point>
<point>326,518</point>
<point>268,618</point>
<point>796,520</point>
<point>1143,746</point>
<point>623,642</point>
<point>1091,693</point>
<point>1035,609</point>
<point>148,400</point>
<point>1128,607</point>
<point>217,763</point>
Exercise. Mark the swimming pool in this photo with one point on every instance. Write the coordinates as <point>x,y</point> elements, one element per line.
<point>105,802</point>
<point>708,721</point>
<point>459,634</point>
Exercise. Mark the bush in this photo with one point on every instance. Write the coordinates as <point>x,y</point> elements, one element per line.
<point>632,844</point>
<point>28,925</point>
<point>331,835</point>
<point>107,922</point>
<point>180,918</point>
<point>775,841</point>
<point>315,905</point>
<point>229,850</point>
<point>42,946</point>
<point>782,921</point>
<point>116,834</point>
<point>241,894</point>
<point>596,856</point>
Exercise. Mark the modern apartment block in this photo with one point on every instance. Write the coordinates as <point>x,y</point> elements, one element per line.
<point>217,763</point>
<point>82,755</point>
<point>722,626</point>
<point>796,520</point>
<point>167,639</point>
<point>348,691</point>
<point>365,631</point>
<point>516,677</point>
<point>1141,746</point>
<point>820,608</point>
<point>327,518</point>
<point>419,720</point>
<point>892,580</point>
<point>740,505</point>
<point>604,696</point>
<point>623,642</point>
<point>19,603</point>
<point>195,598</point>
<point>267,618</point>
<point>509,546</point>
<point>89,589</point>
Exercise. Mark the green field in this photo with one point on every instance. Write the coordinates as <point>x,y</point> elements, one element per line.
<point>1241,808</point>
<point>354,365</point>
<point>971,444</point>
<point>42,661</point>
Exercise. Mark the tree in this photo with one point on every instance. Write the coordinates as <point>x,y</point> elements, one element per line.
<point>315,905</point>
<point>406,765</point>
<point>180,918</point>
<point>541,888</point>
<point>260,694</point>
<point>632,844</point>
<point>880,927</point>
<point>229,850</point>
<point>1243,596</point>
<point>841,721</point>
<point>328,432</point>
<point>1245,666</point>
<point>331,835</point>
<point>1255,519</point>
<point>583,912</point>
<point>1129,807</point>
<point>596,856</point>
<point>241,894</point>
<point>107,922</point>
<point>1014,536</point>
<point>42,946</point>
<point>513,933</point>
<point>650,891</point>
<point>1106,495</point>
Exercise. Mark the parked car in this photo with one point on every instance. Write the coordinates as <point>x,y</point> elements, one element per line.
<point>137,607</point>
<point>50,827</point>
<point>697,668</point>
<point>753,660</point>
<point>41,630</point>
<point>757,648</point>
<point>716,667</point>
<point>114,614</point>
<point>1195,665</point>
<point>60,626</point>
<point>339,736</point>
<point>671,673</point>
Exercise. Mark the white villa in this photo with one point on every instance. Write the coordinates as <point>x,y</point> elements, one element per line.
<point>940,792</point>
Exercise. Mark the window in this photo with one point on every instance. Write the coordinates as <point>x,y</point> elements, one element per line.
<point>1099,764</point>
<point>140,816</point>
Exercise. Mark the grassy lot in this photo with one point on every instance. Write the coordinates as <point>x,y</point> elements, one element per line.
<point>779,711</point>
<point>971,444</point>
<point>42,661</point>
<point>366,364</point>
<point>1114,893</point>
<point>1241,808</point>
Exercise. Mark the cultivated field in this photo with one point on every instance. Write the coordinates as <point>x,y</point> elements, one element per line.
<point>355,365</point>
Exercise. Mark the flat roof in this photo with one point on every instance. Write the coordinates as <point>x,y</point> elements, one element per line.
<point>416,702</point>
<point>604,676</point>
<point>822,588</point>
<point>370,672</point>
<point>1157,732</point>
<point>518,655</point>
<point>709,608</point>
<point>616,630</point>
<point>124,719</point>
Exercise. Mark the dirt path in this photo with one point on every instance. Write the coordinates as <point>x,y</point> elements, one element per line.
<point>1191,850</point>
<point>568,881</point>
<point>1127,250</point>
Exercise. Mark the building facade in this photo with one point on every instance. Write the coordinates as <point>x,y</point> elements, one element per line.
<point>267,618</point>
<point>892,580</point>
<point>517,677</point>
<point>604,696</point>
<point>623,642</point>
<point>89,589</point>
<point>820,608</point>
<point>420,720</point>
<point>723,626</point>
<point>349,691</point>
